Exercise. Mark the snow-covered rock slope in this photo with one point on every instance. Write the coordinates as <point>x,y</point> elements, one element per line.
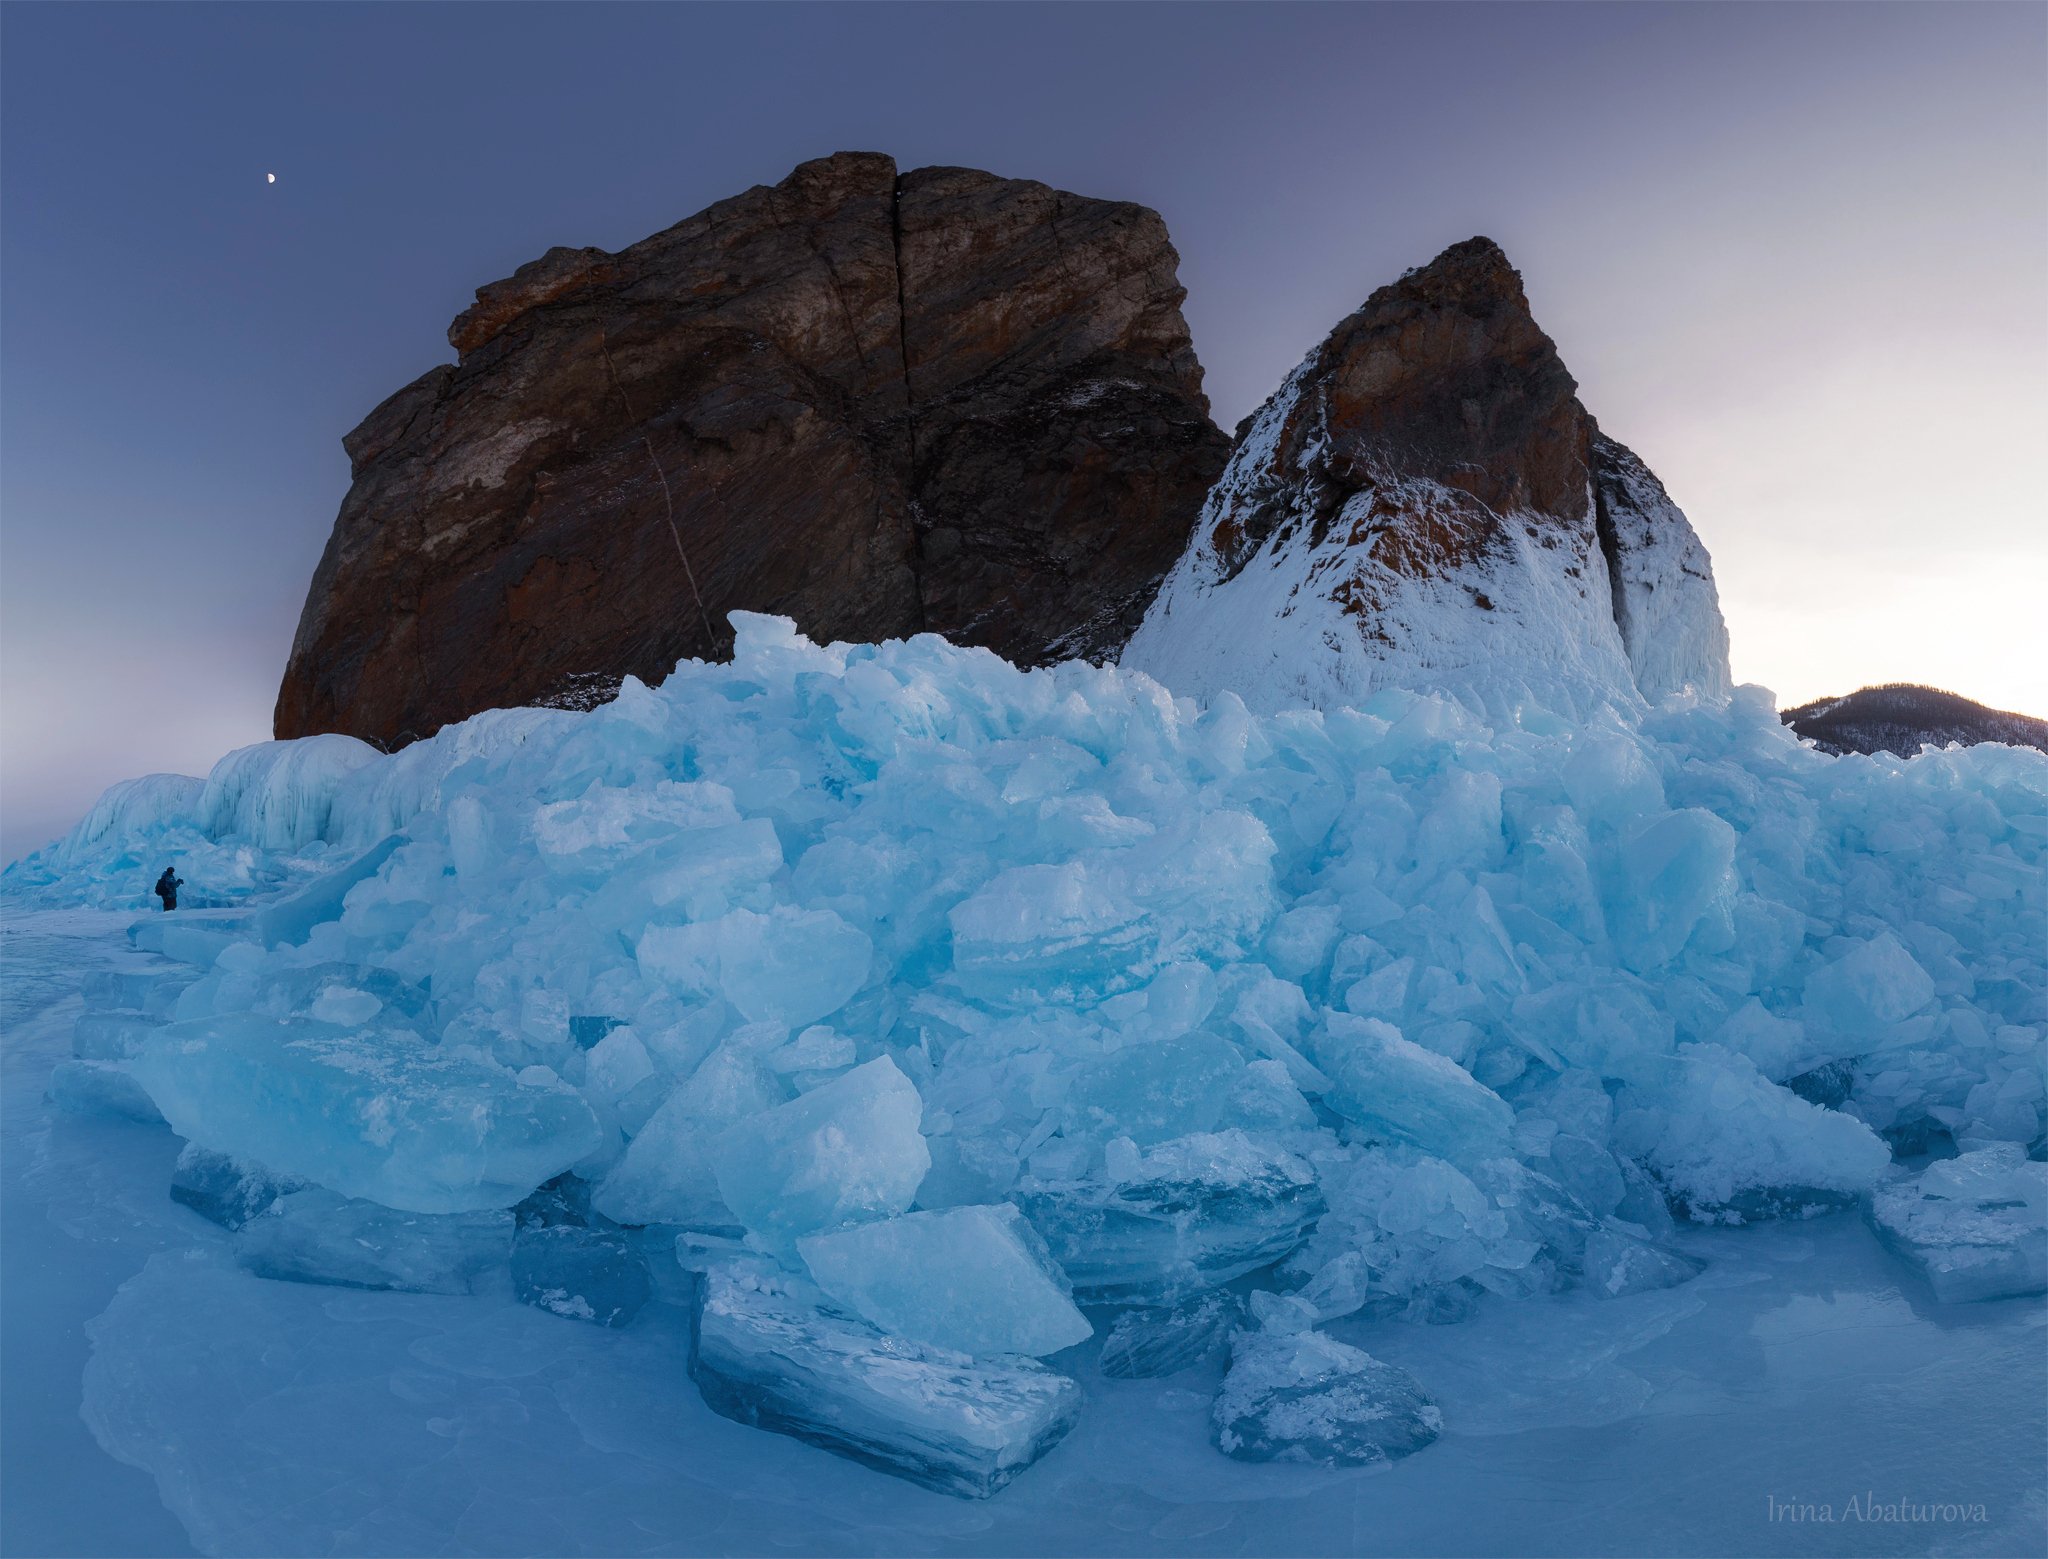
<point>1425,504</point>
<point>1665,604</point>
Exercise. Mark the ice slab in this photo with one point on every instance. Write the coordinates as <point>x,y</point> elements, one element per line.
<point>1731,1146</point>
<point>193,937</point>
<point>789,966</point>
<point>316,1236</point>
<point>1872,986</point>
<point>847,1151</point>
<point>1193,1214</point>
<point>1673,869</point>
<point>290,919</point>
<point>1049,931</point>
<point>1617,1264</point>
<point>666,1174</point>
<point>768,1356</point>
<point>1305,1397</point>
<point>227,1191</point>
<point>372,1113</point>
<point>142,992</point>
<point>101,1088</point>
<point>1406,1229</point>
<point>1157,1090</point>
<point>1154,1340</point>
<point>1975,1226</point>
<point>976,1280</point>
<point>111,1036</point>
<point>1394,1086</point>
<point>580,1273</point>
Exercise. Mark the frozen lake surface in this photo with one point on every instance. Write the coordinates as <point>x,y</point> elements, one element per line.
<point>159,1400</point>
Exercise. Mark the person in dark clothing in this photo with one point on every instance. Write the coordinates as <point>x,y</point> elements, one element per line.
<point>167,887</point>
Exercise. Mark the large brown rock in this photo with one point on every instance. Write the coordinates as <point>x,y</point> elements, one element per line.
<point>877,405</point>
<point>1416,506</point>
<point>1062,445</point>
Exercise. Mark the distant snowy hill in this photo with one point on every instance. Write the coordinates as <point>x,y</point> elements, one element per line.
<point>1903,717</point>
<point>1425,504</point>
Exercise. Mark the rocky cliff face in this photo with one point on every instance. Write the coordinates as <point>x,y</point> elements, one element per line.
<point>1424,503</point>
<point>1665,604</point>
<point>878,404</point>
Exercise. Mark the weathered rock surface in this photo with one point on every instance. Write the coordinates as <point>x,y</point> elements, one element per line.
<point>1062,444</point>
<point>1424,503</point>
<point>876,404</point>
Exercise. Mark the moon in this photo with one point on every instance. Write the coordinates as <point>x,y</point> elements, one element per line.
<point>269,178</point>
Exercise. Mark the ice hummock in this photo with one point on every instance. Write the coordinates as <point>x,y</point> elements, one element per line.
<point>770,1355</point>
<point>1302,1396</point>
<point>580,1273</point>
<point>1730,1145</point>
<point>224,1190</point>
<point>976,1280</point>
<point>1189,1215</point>
<point>1975,1226</point>
<point>1415,1095</point>
<point>101,1088</point>
<point>848,1150</point>
<point>1159,1340</point>
<point>315,1236</point>
<point>1407,1011</point>
<point>373,1113</point>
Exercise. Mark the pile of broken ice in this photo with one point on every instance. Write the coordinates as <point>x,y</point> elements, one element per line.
<point>935,1016</point>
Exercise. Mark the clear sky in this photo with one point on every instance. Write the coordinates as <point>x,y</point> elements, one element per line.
<point>1795,256</point>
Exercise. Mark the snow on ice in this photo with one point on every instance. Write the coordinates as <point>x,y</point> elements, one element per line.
<point>919,1019</point>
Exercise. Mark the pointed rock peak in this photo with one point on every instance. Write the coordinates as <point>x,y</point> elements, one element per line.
<point>1416,506</point>
<point>1445,375</point>
<point>855,170</point>
<point>1475,272</point>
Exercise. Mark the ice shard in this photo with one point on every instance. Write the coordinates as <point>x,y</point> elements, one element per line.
<point>769,1355</point>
